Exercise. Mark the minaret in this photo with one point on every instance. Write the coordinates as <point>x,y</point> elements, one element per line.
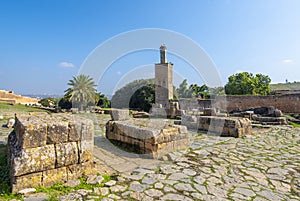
<point>163,54</point>
<point>163,79</point>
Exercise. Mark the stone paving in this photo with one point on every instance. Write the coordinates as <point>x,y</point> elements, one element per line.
<point>259,167</point>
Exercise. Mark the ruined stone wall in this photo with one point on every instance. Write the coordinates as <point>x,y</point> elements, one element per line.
<point>223,126</point>
<point>289,103</point>
<point>12,98</point>
<point>46,149</point>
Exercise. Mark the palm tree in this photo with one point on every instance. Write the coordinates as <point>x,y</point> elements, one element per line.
<point>82,90</point>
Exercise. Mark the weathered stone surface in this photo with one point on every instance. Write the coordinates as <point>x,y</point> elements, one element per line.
<point>29,133</point>
<point>66,154</point>
<point>120,115</point>
<point>46,149</point>
<point>27,191</point>
<point>85,149</point>
<point>26,181</point>
<point>24,161</point>
<point>51,177</point>
<point>153,140</point>
<point>225,126</point>
<point>57,132</point>
<point>74,131</point>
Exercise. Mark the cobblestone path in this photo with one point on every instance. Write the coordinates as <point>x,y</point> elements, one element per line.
<point>264,166</point>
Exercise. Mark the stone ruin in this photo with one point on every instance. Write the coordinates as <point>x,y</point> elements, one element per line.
<point>225,126</point>
<point>153,138</point>
<point>46,149</point>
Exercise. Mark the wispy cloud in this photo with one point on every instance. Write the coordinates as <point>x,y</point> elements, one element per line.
<point>119,73</point>
<point>287,61</point>
<point>65,64</point>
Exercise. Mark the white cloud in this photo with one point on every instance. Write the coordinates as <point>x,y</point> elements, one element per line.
<point>287,61</point>
<point>65,64</point>
<point>119,73</point>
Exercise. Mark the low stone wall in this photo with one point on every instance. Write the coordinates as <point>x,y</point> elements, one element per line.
<point>225,126</point>
<point>46,149</point>
<point>154,142</point>
<point>287,103</point>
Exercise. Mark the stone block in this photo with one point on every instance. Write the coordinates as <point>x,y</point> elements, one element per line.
<point>85,149</point>
<point>87,130</point>
<point>66,154</point>
<point>119,115</point>
<point>25,161</point>
<point>51,177</point>
<point>30,132</point>
<point>26,181</point>
<point>74,131</point>
<point>57,132</point>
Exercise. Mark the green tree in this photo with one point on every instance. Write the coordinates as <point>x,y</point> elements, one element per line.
<point>82,91</point>
<point>64,103</point>
<point>47,102</point>
<point>143,98</point>
<point>102,101</point>
<point>247,84</point>
<point>183,90</point>
<point>262,84</point>
<point>196,90</point>
<point>122,96</point>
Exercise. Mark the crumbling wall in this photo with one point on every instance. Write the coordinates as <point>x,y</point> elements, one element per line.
<point>46,149</point>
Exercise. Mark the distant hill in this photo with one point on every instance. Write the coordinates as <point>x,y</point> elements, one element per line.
<point>285,86</point>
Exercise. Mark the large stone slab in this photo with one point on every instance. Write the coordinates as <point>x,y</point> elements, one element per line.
<point>29,133</point>
<point>29,160</point>
<point>155,141</point>
<point>26,181</point>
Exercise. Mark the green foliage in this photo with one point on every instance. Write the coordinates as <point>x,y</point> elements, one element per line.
<point>18,108</point>
<point>122,97</point>
<point>47,102</point>
<point>193,90</point>
<point>183,91</point>
<point>64,103</point>
<point>143,98</point>
<point>102,101</point>
<point>82,91</point>
<point>247,84</point>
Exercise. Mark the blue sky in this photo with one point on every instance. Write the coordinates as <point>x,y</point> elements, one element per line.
<point>44,43</point>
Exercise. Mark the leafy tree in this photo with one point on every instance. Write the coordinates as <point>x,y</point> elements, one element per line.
<point>82,91</point>
<point>196,90</point>
<point>121,97</point>
<point>183,90</point>
<point>143,98</point>
<point>47,102</point>
<point>65,103</point>
<point>262,84</point>
<point>247,84</point>
<point>102,101</point>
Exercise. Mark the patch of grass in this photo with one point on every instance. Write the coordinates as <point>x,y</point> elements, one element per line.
<point>59,188</point>
<point>19,108</point>
<point>4,177</point>
<point>295,125</point>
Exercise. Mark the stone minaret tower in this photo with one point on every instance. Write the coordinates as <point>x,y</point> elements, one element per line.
<point>163,79</point>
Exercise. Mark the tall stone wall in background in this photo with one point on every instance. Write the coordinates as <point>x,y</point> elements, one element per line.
<point>288,103</point>
<point>46,149</point>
